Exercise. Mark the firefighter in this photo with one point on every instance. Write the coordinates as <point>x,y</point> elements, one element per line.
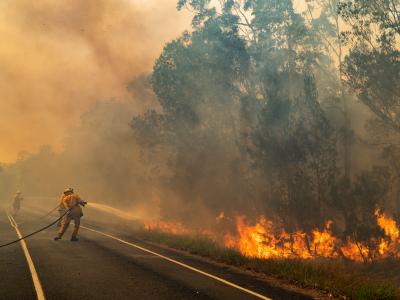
<point>73,203</point>
<point>17,203</point>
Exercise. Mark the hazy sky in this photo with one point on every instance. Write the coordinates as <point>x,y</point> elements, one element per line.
<point>57,58</point>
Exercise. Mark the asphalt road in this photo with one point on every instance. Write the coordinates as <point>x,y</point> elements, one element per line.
<point>103,267</point>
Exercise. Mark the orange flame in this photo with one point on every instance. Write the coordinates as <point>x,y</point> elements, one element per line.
<point>388,225</point>
<point>263,240</point>
<point>391,245</point>
<point>266,239</point>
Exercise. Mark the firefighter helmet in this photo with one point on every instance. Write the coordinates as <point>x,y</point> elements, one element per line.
<point>68,190</point>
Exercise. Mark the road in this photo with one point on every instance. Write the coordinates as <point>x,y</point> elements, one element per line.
<point>108,263</point>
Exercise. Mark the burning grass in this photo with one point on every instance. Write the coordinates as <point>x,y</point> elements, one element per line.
<point>367,269</point>
<point>339,278</point>
<point>267,239</point>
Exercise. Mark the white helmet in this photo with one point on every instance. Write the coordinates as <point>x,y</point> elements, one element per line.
<point>68,190</point>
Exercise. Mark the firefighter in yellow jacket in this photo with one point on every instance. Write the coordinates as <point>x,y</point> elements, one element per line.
<point>72,202</point>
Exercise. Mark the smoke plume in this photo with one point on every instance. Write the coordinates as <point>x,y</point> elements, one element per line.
<point>58,58</point>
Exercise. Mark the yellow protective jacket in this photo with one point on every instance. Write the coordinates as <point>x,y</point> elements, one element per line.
<point>72,202</point>
<point>61,207</point>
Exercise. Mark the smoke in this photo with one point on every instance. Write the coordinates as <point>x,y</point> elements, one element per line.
<point>58,59</point>
<point>63,59</point>
<point>100,159</point>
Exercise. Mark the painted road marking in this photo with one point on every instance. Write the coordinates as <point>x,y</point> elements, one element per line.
<point>35,277</point>
<point>182,264</point>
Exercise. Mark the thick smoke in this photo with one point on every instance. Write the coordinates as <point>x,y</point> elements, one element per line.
<point>100,160</point>
<point>57,59</point>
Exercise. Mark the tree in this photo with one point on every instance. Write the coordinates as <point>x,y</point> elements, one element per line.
<point>328,27</point>
<point>374,55</point>
<point>296,146</point>
<point>372,69</point>
<point>241,86</point>
<point>198,79</point>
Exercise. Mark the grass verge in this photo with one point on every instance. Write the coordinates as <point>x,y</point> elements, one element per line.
<point>345,280</point>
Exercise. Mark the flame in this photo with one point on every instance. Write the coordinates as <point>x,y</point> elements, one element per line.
<point>388,225</point>
<point>355,251</point>
<point>324,243</point>
<point>267,240</point>
<point>229,241</point>
<point>264,240</point>
<point>391,245</point>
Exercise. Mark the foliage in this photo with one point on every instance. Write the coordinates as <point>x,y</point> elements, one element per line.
<point>197,80</point>
<point>295,145</point>
<point>241,87</point>
<point>374,55</point>
<point>243,123</point>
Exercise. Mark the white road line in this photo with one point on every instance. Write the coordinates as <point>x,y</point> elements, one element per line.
<point>35,277</point>
<point>182,264</point>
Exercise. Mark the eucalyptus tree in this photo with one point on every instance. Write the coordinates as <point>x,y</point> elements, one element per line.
<point>373,64</point>
<point>372,70</point>
<point>286,121</point>
<point>198,80</point>
<point>327,24</point>
<point>297,147</point>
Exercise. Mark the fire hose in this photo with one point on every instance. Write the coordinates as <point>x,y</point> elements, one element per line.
<point>39,218</point>
<point>35,232</point>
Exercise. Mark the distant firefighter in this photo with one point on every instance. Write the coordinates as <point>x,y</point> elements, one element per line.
<point>71,203</point>
<point>17,203</point>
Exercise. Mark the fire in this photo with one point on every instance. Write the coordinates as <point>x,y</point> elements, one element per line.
<point>264,240</point>
<point>355,251</point>
<point>391,246</point>
<point>229,241</point>
<point>323,242</point>
<point>388,225</point>
<point>267,240</point>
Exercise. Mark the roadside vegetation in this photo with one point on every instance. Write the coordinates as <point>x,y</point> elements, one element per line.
<point>345,280</point>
